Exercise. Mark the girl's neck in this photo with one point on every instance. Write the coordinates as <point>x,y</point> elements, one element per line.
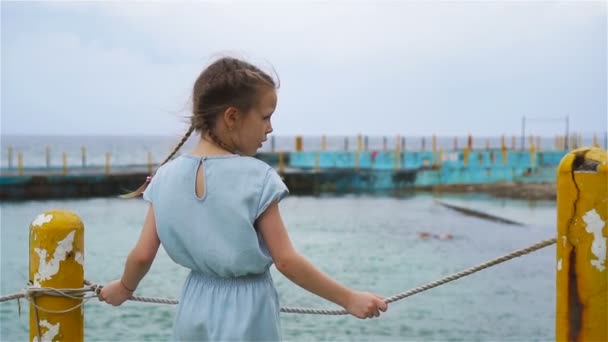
<point>208,147</point>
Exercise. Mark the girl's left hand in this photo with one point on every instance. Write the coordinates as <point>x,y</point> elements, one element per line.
<point>114,293</point>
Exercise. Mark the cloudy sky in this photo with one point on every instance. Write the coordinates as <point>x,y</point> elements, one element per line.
<point>414,68</point>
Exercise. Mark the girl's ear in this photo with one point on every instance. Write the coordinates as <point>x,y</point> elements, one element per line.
<point>231,117</point>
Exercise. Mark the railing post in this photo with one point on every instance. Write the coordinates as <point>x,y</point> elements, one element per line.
<point>10,156</point>
<point>107,163</point>
<point>57,261</point>
<point>582,275</point>
<point>20,164</point>
<point>150,163</point>
<point>281,163</point>
<point>64,164</point>
<point>299,143</point>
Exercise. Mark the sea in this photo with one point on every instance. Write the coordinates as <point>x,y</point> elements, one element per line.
<point>366,242</point>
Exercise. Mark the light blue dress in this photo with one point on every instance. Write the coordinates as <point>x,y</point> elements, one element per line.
<point>229,294</point>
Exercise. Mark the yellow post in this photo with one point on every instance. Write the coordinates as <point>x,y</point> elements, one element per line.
<point>465,156</point>
<point>57,261</point>
<point>532,154</point>
<point>20,164</point>
<point>299,143</point>
<point>107,163</point>
<point>398,142</point>
<point>10,156</point>
<point>359,143</point>
<point>323,143</point>
<point>281,163</point>
<point>503,142</point>
<point>595,143</point>
<point>573,141</point>
<point>64,163</point>
<point>434,149</point>
<point>582,276</point>
<point>150,168</point>
<point>316,161</point>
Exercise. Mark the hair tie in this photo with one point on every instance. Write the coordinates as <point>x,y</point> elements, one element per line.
<point>148,179</point>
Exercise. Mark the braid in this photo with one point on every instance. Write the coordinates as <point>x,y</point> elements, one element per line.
<point>178,146</point>
<point>143,187</point>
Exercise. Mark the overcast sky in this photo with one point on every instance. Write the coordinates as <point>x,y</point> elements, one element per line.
<point>414,68</point>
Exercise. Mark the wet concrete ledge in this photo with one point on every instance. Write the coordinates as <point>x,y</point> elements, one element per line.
<point>299,182</point>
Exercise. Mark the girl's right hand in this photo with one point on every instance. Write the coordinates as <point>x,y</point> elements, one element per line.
<point>365,305</point>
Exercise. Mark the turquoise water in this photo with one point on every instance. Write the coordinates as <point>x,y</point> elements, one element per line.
<point>370,243</point>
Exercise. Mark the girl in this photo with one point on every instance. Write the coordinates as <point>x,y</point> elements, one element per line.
<point>215,211</point>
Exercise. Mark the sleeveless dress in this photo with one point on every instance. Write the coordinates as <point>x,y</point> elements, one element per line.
<point>229,294</point>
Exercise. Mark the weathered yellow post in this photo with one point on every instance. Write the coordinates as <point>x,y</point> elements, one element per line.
<point>532,154</point>
<point>64,163</point>
<point>107,163</point>
<point>20,164</point>
<point>299,143</point>
<point>359,143</point>
<point>10,156</point>
<point>573,141</point>
<point>503,150</point>
<point>281,163</point>
<point>57,261</point>
<point>465,156</point>
<point>582,275</point>
<point>150,165</point>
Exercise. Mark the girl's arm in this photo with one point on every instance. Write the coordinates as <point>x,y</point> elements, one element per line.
<point>299,270</point>
<point>137,265</point>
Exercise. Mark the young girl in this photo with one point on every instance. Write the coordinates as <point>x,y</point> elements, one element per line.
<point>215,211</point>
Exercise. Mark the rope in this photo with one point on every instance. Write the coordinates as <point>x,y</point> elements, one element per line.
<point>78,293</point>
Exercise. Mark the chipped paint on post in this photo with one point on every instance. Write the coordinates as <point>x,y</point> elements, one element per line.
<point>48,269</point>
<point>56,261</point>
<point>582,278</point>
<point>52,330</point>
<point>594,225</point>
<point>42,219</point>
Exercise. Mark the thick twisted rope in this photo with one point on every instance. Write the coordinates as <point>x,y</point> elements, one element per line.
<point>77,293</point>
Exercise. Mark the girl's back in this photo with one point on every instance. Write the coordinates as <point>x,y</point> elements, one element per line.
<point>214,233</point>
